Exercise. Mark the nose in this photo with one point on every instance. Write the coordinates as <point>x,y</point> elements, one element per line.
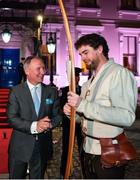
<point>83,58</point>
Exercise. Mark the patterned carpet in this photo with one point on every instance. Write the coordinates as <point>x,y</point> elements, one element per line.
<point>53,169</point>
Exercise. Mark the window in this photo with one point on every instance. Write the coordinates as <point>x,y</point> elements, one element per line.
<point>87,3</point>
<point>129,54</point>
<point>128,4</point>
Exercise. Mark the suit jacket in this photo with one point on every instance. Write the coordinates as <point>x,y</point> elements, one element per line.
<point>21,113</point>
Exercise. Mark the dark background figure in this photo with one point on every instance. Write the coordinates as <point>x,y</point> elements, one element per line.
<point>22,75</point>
<point>66,125</point>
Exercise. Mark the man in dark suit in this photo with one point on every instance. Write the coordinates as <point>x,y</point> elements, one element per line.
<point>31,140</point>
<point>66,125</point>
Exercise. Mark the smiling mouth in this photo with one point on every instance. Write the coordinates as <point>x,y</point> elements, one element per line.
<point>40,77</point>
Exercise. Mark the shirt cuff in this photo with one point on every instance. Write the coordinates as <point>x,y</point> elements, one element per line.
<point>34,127</point>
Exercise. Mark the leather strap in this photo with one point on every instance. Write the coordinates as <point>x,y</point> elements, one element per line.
<point>97,138</point>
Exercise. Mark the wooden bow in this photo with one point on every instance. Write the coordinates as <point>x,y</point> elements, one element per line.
<point>71,88</point>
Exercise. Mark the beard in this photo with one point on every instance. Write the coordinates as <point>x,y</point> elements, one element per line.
<point>92,66</point>
<point>88,66</point>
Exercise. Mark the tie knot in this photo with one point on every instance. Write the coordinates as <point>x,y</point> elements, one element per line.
<point>35,87</point>
<point>34,90</point>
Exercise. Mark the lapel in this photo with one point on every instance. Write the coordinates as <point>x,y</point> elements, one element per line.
<point>100,74</point>
<point>95,84</point>
<point>43,95</point>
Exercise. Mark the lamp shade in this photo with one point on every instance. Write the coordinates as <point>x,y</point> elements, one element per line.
<point>6,35</point>
<point>51,45</point>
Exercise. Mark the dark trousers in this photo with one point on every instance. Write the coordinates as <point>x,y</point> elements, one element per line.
<point>94,170</point>
<point>65,143</point>
<point>18,168</point>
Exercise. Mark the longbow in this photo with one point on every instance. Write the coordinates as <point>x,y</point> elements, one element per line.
<point>71,88</point>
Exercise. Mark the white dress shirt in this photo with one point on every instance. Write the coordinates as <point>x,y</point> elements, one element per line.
<point>110,104</point>
<point>31,86</point>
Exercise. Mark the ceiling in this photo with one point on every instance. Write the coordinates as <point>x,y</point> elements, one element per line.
<point>21,11</point>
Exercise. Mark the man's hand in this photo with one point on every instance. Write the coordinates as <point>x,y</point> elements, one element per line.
<point>74,99</point>
<point>43,124</point>
<point>67,109</point>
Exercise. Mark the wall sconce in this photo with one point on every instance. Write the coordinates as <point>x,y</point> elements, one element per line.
<point>6,35</point>
<point>51,45</point>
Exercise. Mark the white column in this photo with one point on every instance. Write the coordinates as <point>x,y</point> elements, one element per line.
<point>121,49</point>
<point>138,55</point>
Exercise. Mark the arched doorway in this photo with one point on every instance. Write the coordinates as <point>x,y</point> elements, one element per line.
<point>9,60</point>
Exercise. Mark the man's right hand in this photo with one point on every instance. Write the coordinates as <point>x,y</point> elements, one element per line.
<point>43,124</point>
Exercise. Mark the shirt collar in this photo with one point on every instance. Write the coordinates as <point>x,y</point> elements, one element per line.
<point>31,86</point>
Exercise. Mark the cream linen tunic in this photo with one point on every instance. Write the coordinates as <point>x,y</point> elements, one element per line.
<point>109,105</point>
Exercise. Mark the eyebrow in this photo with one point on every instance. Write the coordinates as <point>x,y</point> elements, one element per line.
<point>84,51</point>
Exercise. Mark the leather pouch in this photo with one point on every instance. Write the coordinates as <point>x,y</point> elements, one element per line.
<point>116,154</point>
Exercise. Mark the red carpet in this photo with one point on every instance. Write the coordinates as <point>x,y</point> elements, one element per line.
<point>5,131</point>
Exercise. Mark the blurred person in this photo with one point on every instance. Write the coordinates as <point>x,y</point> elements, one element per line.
<point>22,75</point>
<point>66,125</point>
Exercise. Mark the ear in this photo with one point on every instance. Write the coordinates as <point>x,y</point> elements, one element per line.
<point>100,49</point>
<point>26,71</point>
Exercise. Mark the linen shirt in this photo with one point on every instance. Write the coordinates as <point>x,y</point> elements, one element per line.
<point>109,105</point>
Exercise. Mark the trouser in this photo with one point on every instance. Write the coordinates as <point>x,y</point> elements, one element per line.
<point>65,143</point>
<point>18,168</point>
<point>94,169</point>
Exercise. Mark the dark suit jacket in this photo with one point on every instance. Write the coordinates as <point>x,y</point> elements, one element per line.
<point>21,114</point>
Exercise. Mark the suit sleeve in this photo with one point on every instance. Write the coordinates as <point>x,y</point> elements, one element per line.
<point>56,110</point>
<point>63,98</point>
<point>14,116</point>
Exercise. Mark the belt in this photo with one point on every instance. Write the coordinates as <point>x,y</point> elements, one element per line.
<point>93,137</point>
<point>35,136</point>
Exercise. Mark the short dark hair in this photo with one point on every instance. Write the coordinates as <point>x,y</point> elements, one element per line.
<point>94,40</point>
<point>29,59</point>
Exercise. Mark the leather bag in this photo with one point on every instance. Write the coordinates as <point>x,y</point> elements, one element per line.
<point>116,154</point>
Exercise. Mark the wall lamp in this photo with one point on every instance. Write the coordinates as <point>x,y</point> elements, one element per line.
<point>51,44</point>
<point>6,35</point>
<point>51,49</point>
